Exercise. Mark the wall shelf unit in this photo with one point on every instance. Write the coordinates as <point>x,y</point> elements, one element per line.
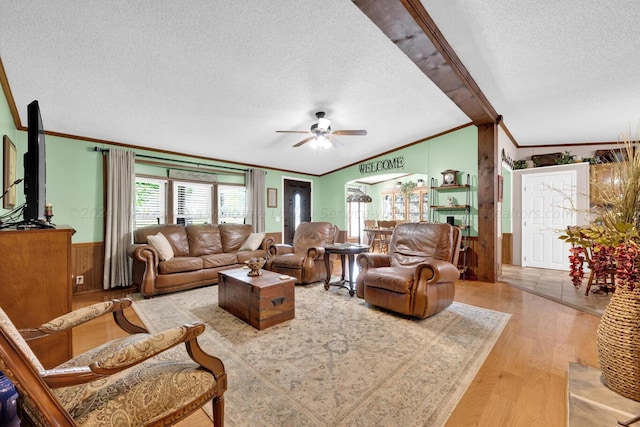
<point>456,213</point>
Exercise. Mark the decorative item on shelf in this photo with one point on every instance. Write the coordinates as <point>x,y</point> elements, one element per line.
<point>407,187</point>
<point>449,177</point>
<point>519,164</point>
<point>420,182</point>
<point>255,264</point>
<point>450,220</point>
<point>565,158</point>
<point>450,201</point>
<point>616,230</point>
<point>399,184</point>
<point>48,211</point>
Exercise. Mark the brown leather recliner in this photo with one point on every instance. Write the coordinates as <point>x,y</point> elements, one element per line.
<point>418,275</point>
<point>304,259</point>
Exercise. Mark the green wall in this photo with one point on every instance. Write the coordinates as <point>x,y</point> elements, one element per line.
<point>74,177</point>
<point>455,150</point>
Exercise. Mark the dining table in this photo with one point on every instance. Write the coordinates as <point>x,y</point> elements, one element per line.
<point>377,233</point>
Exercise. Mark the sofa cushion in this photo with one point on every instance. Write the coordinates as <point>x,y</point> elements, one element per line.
<point>394,279</point>
<point>291,260</point>
<point>162,245</point>
<point>204,239</point>
<point>253,242</point>
<point>180,264</point>
<point>219,260</point>
<point>175,234</point>
<point>234,235</point>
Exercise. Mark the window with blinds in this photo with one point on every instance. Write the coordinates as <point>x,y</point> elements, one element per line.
<point>232,204</point>
<point>192,202</point>
<point>188,202</point>
<point>150,201</point>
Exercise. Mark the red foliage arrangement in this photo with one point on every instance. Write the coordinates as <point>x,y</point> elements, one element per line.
<point>627,268</point>
<point>576,261</point>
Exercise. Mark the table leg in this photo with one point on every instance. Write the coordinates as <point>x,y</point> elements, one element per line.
<point>351,288</point>
<point>327,266</point>
<point>342,265</point>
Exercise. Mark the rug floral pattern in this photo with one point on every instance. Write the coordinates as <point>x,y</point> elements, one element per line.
<point>340,362</point>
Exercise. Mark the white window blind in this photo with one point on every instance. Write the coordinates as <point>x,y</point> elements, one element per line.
<point>232,204</point>
<point>150,201</point>
<point>192,202</point>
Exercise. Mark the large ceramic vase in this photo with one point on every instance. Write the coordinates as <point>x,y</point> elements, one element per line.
<point>618,340</point>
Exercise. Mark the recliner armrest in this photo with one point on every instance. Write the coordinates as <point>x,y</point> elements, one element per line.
<point>437,271</point>
<point>280,248</point>
<point>373,260</point>
<point>315,252</point>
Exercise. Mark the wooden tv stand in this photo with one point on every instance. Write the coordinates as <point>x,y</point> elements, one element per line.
<point>35,267</point>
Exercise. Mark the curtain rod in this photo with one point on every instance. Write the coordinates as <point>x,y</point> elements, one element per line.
<point>106,150</point>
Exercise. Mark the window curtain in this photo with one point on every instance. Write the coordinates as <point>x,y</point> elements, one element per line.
<point>119,215</point>
<point>254,183</point>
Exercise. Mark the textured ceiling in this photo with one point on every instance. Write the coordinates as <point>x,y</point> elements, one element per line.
<point>218,78</point>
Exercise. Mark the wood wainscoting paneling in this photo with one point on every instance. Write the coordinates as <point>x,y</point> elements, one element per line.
<point>277,236</point>
<point>507,248</point>
<point>87,260</point>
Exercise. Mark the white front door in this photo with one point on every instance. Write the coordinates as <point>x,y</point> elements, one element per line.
<point>548,201</point>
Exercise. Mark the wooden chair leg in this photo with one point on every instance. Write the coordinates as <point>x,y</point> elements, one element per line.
<point>586,293</point>
<point>218,411</point>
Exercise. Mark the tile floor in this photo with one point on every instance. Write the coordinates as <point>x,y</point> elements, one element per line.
<point>555,285</point>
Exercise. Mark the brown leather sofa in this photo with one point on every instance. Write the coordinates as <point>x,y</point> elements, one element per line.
<point>304,258</point>
<point>200,251</point>
<point>418,275</point>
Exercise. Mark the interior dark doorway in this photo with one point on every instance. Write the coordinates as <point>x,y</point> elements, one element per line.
<point>297,206</point>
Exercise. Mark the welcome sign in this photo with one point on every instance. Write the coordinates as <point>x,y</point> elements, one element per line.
<point>382,165</point>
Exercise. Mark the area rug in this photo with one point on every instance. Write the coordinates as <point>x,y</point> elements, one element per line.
<point>340,362</point>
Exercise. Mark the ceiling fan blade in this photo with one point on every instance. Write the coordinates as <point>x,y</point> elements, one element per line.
<point>349,132</point>
<point>304,141</point>
<point>335,141</point>
<point>293,131</point>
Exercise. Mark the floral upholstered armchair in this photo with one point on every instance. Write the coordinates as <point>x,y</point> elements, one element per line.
<point>141,379</point>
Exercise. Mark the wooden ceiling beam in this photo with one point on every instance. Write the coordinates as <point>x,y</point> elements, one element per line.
<point>408,25</point>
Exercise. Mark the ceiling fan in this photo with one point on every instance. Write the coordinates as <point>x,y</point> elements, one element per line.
<point>322,133</point>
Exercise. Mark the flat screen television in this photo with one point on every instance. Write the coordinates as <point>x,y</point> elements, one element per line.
<point>34,168</point>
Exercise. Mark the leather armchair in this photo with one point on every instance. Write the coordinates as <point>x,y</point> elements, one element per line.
<point>417,277</point>
<point>304,258</point>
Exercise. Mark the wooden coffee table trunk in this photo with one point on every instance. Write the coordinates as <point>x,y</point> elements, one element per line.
<point>261,301</point>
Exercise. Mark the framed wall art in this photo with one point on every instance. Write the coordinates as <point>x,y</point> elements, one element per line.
<point>9,157</point>
<point>272,197</point>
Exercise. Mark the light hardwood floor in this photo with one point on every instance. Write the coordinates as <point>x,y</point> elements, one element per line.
<point>522,382</point>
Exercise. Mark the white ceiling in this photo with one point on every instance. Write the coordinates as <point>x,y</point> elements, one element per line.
<point>218,78</point>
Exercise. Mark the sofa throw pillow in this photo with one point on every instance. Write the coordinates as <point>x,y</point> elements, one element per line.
<point>253,242</point>
<point>162,245</point>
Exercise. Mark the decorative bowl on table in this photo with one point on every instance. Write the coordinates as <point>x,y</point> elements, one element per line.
<point>255,264</point>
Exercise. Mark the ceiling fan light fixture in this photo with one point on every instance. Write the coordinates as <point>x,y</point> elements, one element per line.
<point>320,142</point>
<point>323,124</point>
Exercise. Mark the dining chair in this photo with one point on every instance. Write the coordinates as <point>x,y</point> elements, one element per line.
<point>385,231</point>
